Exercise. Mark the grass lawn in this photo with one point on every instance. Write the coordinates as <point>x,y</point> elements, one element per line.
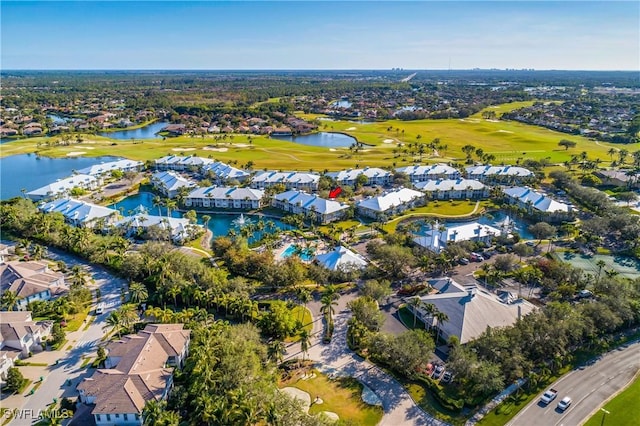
<point>622,409</point>
<point>342,396</point>
<point>425,400</point>
<point>304,315</point>
<point>76,321</point>
<point>508,141</point>
<point>407,319</point>
<point>440,209</point>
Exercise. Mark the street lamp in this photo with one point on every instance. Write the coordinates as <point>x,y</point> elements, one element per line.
<point>604,413</point>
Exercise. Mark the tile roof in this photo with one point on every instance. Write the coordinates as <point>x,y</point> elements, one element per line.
<point>28,278</point>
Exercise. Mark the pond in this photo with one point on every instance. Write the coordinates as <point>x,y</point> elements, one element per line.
<point>496,219</point>
<point>58,119</point>
<point>30,172</point>
<point>147,132</point>
<point>219,224</point>
<point>325,139</point>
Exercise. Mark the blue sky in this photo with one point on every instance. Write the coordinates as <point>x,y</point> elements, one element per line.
<point>320,35</point>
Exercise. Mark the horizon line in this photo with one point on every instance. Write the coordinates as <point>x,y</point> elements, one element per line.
<point>320,69</point>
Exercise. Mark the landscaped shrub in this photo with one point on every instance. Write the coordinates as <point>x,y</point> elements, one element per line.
<point>451,404</point>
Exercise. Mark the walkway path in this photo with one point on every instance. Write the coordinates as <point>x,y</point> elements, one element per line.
<point>335,359</point>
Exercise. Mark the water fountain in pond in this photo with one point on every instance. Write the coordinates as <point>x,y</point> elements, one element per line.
<point>506,225</point>
<point>240,221</point>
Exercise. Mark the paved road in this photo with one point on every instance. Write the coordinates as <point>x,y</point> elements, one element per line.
<point>589,388</point>
<point>337,359</point>
<point>54,385</point>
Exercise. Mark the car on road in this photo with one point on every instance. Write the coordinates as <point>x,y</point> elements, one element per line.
<point>100,308</point>
<point>437,373</point>
<point>549,396</point>
<point>565,403</point>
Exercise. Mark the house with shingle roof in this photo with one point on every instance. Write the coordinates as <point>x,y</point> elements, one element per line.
<point>19,335</point>
<point>31,281</point>
<point>138,368</point>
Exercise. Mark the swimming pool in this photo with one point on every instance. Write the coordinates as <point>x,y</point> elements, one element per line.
<point>305,254</point>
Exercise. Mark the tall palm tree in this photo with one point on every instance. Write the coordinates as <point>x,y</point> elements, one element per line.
<point>79,276</point>
<point>305,342</point>
<point>441,318</point>
<point>137,292</point>
<point>327,309</point>
<point>304,296</point>
<point>114,321</point>
<point>275,350</point>
<point>415,304</point>
<point>152,412</point>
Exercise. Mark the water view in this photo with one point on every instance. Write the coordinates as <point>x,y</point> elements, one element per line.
<point>147,132</point>
<point>219,224</point>
<point>326,139</point>
<point>28,171</point>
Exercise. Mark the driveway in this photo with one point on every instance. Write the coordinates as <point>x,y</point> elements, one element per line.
<point>83,342</point>
<point>336,359</point>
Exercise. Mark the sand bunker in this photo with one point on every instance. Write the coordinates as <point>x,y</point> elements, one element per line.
<point>241,145</point>
<point>210,148</point>
<point>330,415</point>
<point>300,395</point>
<point>332,149</point>
<point>350,128</point>
<point>388,141</point>
<point>89,147</point>
<point>75,153</point>
<point>504,131</point>
<point>183,149</point>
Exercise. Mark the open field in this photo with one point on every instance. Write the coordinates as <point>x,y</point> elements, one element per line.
<point>341,396</point>
<point>622,409</point>
<point>508,141</point>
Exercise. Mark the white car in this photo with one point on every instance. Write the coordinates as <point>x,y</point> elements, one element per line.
<point>565,403</point>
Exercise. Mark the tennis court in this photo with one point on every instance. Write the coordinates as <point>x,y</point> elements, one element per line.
<point>625,266</point>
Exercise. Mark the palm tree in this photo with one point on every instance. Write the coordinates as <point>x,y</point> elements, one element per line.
<point>415,303</point>
<point>114,321</point>
<point>158,202</point>
<point>304,296</point>
<point>328,303</point>
<point>137,292</point>
<point>441,318</point>
<point>305,342</point>
<point>600,264</point>
<point>275,350</point>
<point>9,300</point>
<point>152,412</point>
<point>79,276</point>
<point>205,220</point>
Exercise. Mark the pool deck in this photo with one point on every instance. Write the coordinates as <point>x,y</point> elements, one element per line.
<point>320,247</point>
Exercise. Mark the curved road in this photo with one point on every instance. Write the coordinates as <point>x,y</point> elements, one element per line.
<point>337,359</point>
<point>589,387</point>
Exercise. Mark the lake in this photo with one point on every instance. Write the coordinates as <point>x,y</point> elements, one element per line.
<point>146,132</point>
<point>325,139</point>
<point>220,224</point>
<point>31,172</point>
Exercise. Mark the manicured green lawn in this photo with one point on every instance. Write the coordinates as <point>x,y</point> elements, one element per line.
<point>304,315</point>
<point>342,396</point>
<point>76,320</point>
<point>440,209</point>
<point>508,141</point>
<point>623,409</point>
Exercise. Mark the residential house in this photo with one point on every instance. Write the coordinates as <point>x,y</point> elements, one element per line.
<point>291,180</point>
<point>175,129</point>
<point>170,184</point>
<point>310,205</point>
<point>103,169</point>
<point>390,203</point>
<point>222,172</point>
<point>341,259</point>
<point>80,213</point>
<point>31,281</point>
<point>470,311</point>
<point>63,187</point>
<point>374,175</point>
<point>625,178</point>
<point>138,368</point>
<point>446,189</point>
<point>429,172</point>
<point>281,131</point>
<point>538,204</point>
<point>180,230</point>
<point>180,163</point>
<point>19,335</point>
<point>225,198</point>
<point>500,174</point>
<point>436,239</point>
